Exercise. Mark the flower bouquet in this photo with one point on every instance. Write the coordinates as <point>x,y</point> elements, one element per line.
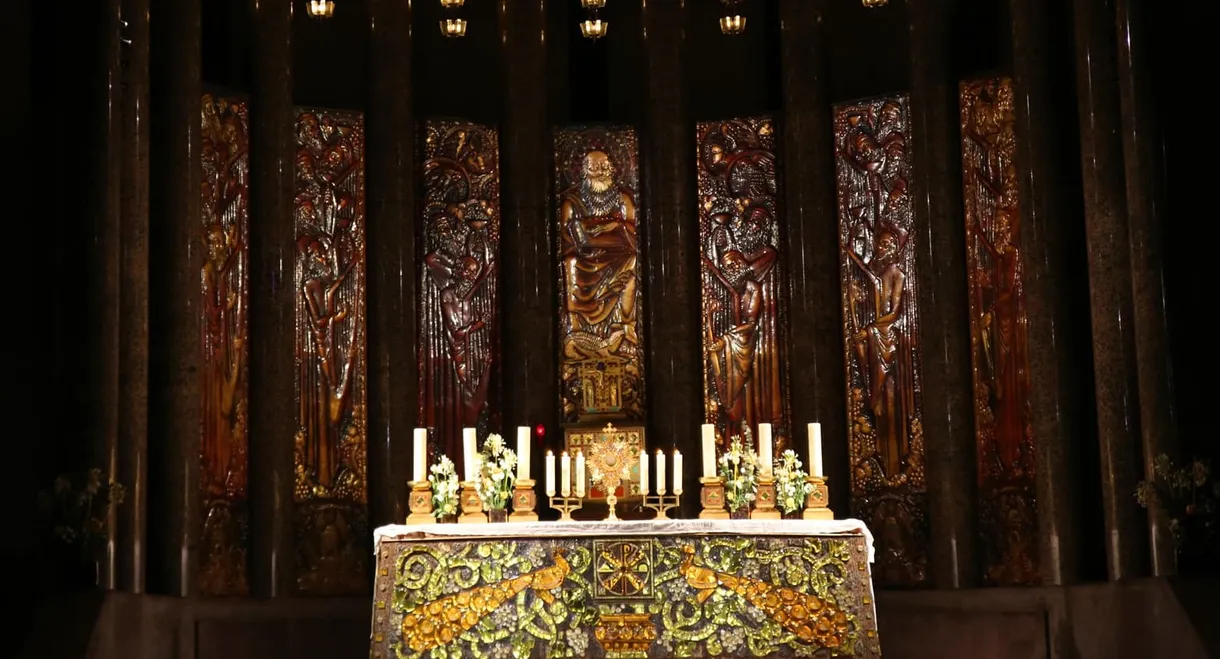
<point>443,476</point>
<point>77,514</point>
<point>739,471</point>
<point>497,475</point>
<point>1190,498</point>
<point>791,484</point>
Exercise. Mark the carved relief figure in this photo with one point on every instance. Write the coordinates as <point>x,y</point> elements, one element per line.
<point>998,331</point>
<point>881,323</point>
<point>225,297</point>
<point>329,219</point>
<point>745,368</point>
<point>461,236</point>
<point>601,359</point>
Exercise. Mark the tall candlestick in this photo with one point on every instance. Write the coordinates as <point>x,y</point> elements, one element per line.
<point>764,448</point>
<point>643,472</point>
<point>660,472</point>
<point>523,453</point>
<point>580,473</point>
<point>815,450</point>
<point>677,471</point>
<point>550,474</point>
<point>421,455</point>
<point>565,474</point>
<point>709,450</point>
<point>470,452</point>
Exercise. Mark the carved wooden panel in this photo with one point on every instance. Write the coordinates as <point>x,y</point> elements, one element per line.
<point>998,337</point>
<point>331,484</point>
<point>881,332</point>
<point>225,289</point>
<point>744,315</point>
<point>459,330</point>
<point>601,352</point>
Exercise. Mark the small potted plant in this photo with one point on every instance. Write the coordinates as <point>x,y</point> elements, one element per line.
<point>739,471</point>
<point>497,475</point>
<point>1190,499</point>
<point>791,485</point>
<point>443,476</point>
<point>76,513</point>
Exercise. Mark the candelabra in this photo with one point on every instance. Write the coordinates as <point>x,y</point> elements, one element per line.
<point>472,505</point>
<point>524,502</point>
<point>817,504</point>
<point>565,505</point>
<point>662,503</point>
<point>765,498</point>
<point>712,498</point>
<point>420,502</point>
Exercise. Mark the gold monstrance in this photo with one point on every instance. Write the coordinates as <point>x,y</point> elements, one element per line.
<point>610,462</point>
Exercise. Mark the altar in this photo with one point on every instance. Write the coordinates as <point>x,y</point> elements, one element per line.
<point>663,588</point>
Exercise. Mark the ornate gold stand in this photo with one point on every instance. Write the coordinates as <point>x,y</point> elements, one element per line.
<point>712,498</point>
<point>420,502</point>
<point>661,503</point>
<point>472,505</point>
<point>764,501</point>
<point>524,502</point>
<point>818,502</point>
<point>565,506</point>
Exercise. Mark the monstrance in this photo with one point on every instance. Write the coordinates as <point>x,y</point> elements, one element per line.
<point>610,463</point>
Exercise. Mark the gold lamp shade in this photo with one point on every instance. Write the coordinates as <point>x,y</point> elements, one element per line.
<point>453,27</point>
<point>594,28</point>
<point>872,4</point>
<point>735,24</point>
<point>321,8</point>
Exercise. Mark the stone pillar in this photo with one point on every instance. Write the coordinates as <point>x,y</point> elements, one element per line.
<point>671,233</point>
<point>174,328</point>
<point>1111,304</point>
<point>815,312</point>
<point>1057,403</point>
<point>273,413</point>
<point>1142,156</point>
<point>392,273</point>
<point>133,297</point>
<point>943,300</point>
<point>528,294</point>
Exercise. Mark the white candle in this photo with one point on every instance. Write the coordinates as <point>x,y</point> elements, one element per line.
<point>643,472</point>
<point>764,448</point>
<point>523,453</point>
<point>550,474</point>
<point>421,455</point>
<point>677,472</point>
<point>815,450</point>
<point>470,453</point>
<point>565,474</point>
<point>660,473</point>
<point>580,474</point>
<point>709,450</point>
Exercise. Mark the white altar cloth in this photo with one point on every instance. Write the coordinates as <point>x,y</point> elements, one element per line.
<point>773,527</point>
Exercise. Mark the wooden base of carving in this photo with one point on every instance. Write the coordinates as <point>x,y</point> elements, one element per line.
<point>712,499</point>
<point>524,502</point>
<point>472,506</point>
<point>817,504</point>
<point>764,500</point>
<point>420,502</point>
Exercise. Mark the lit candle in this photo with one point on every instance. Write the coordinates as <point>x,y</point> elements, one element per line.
<point>677,471</point>
<point>550,474</point>
<point>580,474</point>
<point>709,450</point>
<point>764,448</point>
<point>421,455</point>
<point>523,453</point>
<point>660,473</point>
<point>643,472</point>
<point>565,474</point>
<point>815,450</point>
<point>470,453</point>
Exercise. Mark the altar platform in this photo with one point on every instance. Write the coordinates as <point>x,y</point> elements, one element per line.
<point>666,588</point>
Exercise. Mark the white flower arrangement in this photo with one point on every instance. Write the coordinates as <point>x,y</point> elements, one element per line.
<point>791,484</point>
<point>497,473</point>
<point>445,487</point>
<point>739,471</point>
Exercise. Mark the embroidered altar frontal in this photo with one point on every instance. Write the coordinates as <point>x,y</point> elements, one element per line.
<point>687,588</point>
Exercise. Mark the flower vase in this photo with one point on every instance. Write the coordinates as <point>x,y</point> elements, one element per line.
<point>796,514</point>
<point>497,516</point>
<point>741,513</point>
<point>447,519</point>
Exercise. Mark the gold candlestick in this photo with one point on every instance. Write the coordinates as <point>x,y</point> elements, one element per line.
<point>817,504</point>
<point>524,502</point>
<point>712,498</point>
<point>420,502</point>
<point>661,503</point>
<point>565,506</point>
<point>472,505</point>
<point>764,508</point>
